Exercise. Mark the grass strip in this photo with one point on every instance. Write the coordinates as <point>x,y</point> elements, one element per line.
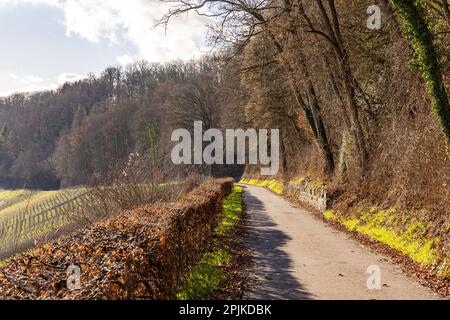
<point>207,276</point>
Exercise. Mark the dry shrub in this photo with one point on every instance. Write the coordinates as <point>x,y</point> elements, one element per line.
<point>139,254</point>
<point>135,183</point>
<point>409,165</point>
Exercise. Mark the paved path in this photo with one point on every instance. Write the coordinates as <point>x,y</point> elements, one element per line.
<point>299,257</point>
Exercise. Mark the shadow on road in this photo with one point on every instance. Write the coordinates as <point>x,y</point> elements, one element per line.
<point>273,267</point>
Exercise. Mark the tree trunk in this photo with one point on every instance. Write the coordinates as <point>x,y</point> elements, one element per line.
<point>312,113</point>
<point>335,38</point>
<point>322,137</point>
<point>354,113</point>
<point>417,31</point>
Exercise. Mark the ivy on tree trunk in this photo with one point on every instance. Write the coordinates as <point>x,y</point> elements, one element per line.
<point>416,30</point>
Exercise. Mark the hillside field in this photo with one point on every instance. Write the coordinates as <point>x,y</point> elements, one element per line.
<point>27,215</point>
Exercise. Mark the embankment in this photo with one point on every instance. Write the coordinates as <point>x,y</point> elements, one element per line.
<point>420,238</point>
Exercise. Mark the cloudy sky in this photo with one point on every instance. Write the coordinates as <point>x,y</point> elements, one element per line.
<point>47,42</point>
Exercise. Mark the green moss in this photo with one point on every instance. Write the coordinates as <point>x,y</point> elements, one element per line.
<point>232,208</point>
<point>207,276</point>
<point>276,187</point>
<point>422,253</point>
<point>273,185</point>
<point>329,215</point>
<point>381,217</point>
<point>350,224</point>
<point>381,226</point>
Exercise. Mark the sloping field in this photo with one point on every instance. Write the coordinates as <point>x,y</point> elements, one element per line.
<point>12,202</point>
<point>27,215</point>
<point>9,198</point>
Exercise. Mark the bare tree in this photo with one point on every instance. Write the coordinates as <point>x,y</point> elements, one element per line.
<point>237,22</point>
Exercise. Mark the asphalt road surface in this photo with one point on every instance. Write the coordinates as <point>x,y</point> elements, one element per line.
<point>297,256</point>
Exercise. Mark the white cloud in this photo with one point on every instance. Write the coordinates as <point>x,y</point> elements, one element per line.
<point>119,21</point>
<point>69,77</point>
<point>32,83</point>
<point>133,21</point>
<point>34,2</point>
<point>24,83</point>
<point>31,79</point>
<point>125,59</point>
